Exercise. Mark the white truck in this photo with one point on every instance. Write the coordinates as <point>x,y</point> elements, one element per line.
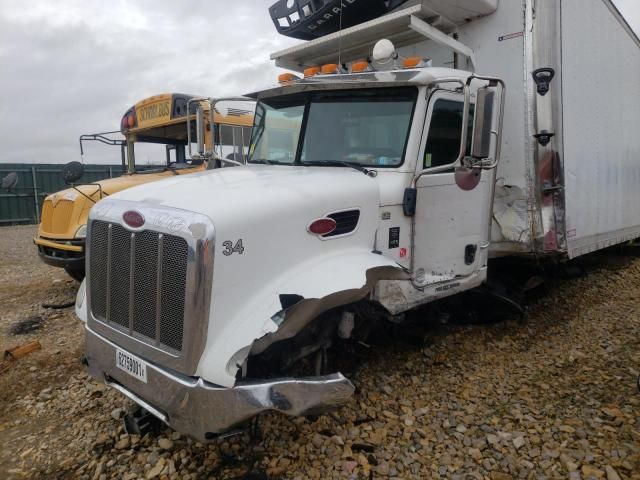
<point>381,181</point>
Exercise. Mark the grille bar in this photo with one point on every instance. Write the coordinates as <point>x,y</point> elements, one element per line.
<point>107,300</point>
<point>132,278</point>
<point>159,289</point>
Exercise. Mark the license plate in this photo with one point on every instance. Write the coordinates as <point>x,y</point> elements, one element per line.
<point>131,364</point>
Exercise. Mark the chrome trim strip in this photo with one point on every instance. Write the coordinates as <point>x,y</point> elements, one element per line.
<point>147,406</point>
<point>108,293</point>
<point>159,290</point>
<point>132,268</point>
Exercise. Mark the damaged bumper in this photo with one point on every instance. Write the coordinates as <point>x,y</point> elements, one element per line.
<point>200,409</point>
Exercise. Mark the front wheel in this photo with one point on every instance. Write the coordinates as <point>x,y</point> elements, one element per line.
<point>75,273</point>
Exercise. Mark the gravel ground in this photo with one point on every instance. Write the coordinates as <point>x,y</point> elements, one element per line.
<point>552,397</point>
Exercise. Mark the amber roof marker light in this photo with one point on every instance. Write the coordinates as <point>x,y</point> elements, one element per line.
<point>360,66</point>
<point>311,72</point>
<point>330,68</point>
<point>287,78</point>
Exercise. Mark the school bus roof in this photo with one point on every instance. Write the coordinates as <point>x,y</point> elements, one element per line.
<point>169,109</point>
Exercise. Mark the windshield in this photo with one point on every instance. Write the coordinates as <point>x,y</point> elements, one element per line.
<point>363,127</point>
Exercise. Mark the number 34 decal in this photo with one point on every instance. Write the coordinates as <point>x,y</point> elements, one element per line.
<point>230,248</point>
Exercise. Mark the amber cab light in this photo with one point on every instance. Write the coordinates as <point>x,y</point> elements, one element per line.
<point>287,77</point>
<point>412,62</point>
<point>322,226</point>
<point>329,68</point>
<point>133,219</point>
<point>360,66</point>
<point>311,71</point>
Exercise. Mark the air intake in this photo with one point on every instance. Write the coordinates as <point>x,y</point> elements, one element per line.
<point>346,222</point>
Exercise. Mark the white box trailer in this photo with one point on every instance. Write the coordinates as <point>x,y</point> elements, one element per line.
<point>569,176</point>
<point>213,297</point>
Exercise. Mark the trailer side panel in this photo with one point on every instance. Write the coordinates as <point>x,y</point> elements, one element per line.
<point>601,103</point>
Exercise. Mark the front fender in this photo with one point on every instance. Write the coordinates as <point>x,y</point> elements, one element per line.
<point>323,283</point>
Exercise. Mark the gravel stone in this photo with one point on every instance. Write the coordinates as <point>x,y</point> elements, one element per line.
<point>165,443</point>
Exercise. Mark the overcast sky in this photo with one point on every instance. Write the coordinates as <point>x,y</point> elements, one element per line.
<point>74,66</point>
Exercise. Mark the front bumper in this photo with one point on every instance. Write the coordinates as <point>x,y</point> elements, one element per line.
<point>200,409</point>
<point>69,254</point>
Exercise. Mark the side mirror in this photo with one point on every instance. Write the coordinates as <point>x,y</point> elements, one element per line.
<point>200,130</point>
<point>72,172</point>
<point>483,124</point>
<point>467,178</point>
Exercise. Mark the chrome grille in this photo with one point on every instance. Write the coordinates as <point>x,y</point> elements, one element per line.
<point>138,282</point>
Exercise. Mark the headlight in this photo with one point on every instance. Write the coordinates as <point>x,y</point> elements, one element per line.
<point>81,232</point>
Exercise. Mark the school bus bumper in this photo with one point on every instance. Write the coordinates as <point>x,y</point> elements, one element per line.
<point>65,253</point>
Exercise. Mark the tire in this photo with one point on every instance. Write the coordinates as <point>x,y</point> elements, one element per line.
<point>75,273</point>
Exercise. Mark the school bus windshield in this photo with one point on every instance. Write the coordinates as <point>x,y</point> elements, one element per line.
<point>157,138</point>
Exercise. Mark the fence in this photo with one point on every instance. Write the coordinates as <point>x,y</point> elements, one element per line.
<point>37,180</point>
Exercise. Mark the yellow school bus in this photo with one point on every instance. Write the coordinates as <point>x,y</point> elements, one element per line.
<point>161,119</point>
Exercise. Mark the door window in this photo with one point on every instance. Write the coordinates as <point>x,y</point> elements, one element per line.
<point>443,141</point>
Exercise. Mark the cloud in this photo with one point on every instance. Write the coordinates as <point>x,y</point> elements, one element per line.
<point>76,67</point>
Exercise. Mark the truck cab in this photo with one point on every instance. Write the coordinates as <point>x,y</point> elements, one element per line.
<point>365,190</point>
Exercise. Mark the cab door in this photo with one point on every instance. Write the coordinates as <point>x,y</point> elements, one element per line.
<point>451,225</point>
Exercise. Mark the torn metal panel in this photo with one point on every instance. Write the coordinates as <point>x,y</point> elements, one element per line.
<point>294,319</point>
<point>510,215</point>
<point>399,296</point>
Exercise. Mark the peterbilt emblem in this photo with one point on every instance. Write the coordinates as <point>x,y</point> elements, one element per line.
<point>133,219</point>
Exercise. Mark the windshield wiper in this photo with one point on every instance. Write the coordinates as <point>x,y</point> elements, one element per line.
<point>268,162</point>
<point>341,163</point>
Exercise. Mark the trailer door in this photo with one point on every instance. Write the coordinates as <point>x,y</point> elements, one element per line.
<point>451,224</point>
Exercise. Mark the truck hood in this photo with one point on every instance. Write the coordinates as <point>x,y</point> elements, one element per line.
<point>263,256</point>
<point>253,191</point>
